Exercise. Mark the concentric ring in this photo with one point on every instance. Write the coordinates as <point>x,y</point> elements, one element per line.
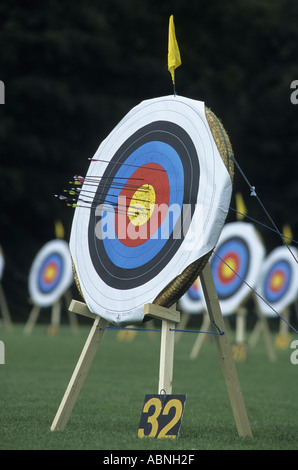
<point>193,301</point>
<point>51,273</point>
<point>230,266</point>
<point>168,149</point>
<point>278,281</point>
<point>236,264</point>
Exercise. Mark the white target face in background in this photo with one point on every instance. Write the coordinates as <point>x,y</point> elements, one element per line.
<point>238,256</point>
<point>51,273</point>
<point>278,281</point>
<point>160,196</point>
<point>193,300</point>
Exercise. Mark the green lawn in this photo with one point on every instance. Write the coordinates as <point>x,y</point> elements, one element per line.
<point>106,415</point>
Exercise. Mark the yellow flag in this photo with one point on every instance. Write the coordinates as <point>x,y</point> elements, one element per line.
<point>287,232</point>
<point>240,206</point>
<point>174,59</point>
<point>59,229</point>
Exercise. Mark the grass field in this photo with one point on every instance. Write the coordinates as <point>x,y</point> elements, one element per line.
<point>106,415</point>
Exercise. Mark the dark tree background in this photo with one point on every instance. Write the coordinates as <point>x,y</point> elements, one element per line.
<point>72,70</point>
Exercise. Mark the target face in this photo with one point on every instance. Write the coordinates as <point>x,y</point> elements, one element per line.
<point>193,300</point>
<point>152,178</point>
<point>238,258</point>
<point>51,273</point>
<point>278,281</point>
<point>152,203</point>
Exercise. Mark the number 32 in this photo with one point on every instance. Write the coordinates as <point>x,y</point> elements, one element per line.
<point>158,419</point>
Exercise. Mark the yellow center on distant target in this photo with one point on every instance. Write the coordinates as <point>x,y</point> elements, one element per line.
<point>50,273</point>
<point>277,281</point>
<point>141,205</point>
<point>226,270</point>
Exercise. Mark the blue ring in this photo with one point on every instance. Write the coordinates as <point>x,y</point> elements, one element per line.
<point>179,140</point>
<point>193,293</point>
<point>151,152</point>
<point>48,287</point>
<point>239,246</point>
<point>284,266</point>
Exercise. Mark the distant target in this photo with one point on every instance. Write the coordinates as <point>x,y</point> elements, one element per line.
<point>278,281</point>
<point>193,300</point>
<point>230,266</point>
<point>51,273</point>
<point>236,264</point>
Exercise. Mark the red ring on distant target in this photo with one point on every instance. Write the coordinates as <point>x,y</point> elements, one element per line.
<point>276,285</point>
<point>50,273</point>
<point>227,275</point>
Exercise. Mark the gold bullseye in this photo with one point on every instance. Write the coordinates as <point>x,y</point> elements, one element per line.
<point>277,281</point>
<point>226,268</point>
<point>141,205</point>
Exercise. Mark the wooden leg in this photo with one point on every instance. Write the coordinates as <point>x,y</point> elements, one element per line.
<point>79,374</point>
<point>166,362</point>
<point>255,334</point>
<point>55,318</point>
<point>169,317</point>
<point>266,332</point>
<point>283,326</point>
<point>240,325</point>
<point>2,352</point>
<point>149,325</point>
<point>184,320</point>
<point>73,320</point>
<point>5,311</point>
<point>32,319</point>
<point>225,354</point>
<point>200,338</point>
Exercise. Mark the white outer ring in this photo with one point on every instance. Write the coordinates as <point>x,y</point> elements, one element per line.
<point>193,306</point>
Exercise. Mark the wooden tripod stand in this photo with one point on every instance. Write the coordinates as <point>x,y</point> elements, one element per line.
<point>170,317</point>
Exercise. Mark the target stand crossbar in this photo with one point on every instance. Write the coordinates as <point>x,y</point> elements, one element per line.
<point>169,317</point>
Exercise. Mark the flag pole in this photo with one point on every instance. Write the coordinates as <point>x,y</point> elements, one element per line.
<point>174,88</point>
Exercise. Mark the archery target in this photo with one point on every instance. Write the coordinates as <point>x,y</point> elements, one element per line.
<point>193,300</point>
<point>51,273</point>
<point>160,194</point>
<point>278,281</point>
<point>236,264</point>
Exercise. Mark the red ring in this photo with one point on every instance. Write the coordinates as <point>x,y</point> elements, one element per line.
<point>221,275</point>
<point>274,288</point>
<point>154,175</point>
